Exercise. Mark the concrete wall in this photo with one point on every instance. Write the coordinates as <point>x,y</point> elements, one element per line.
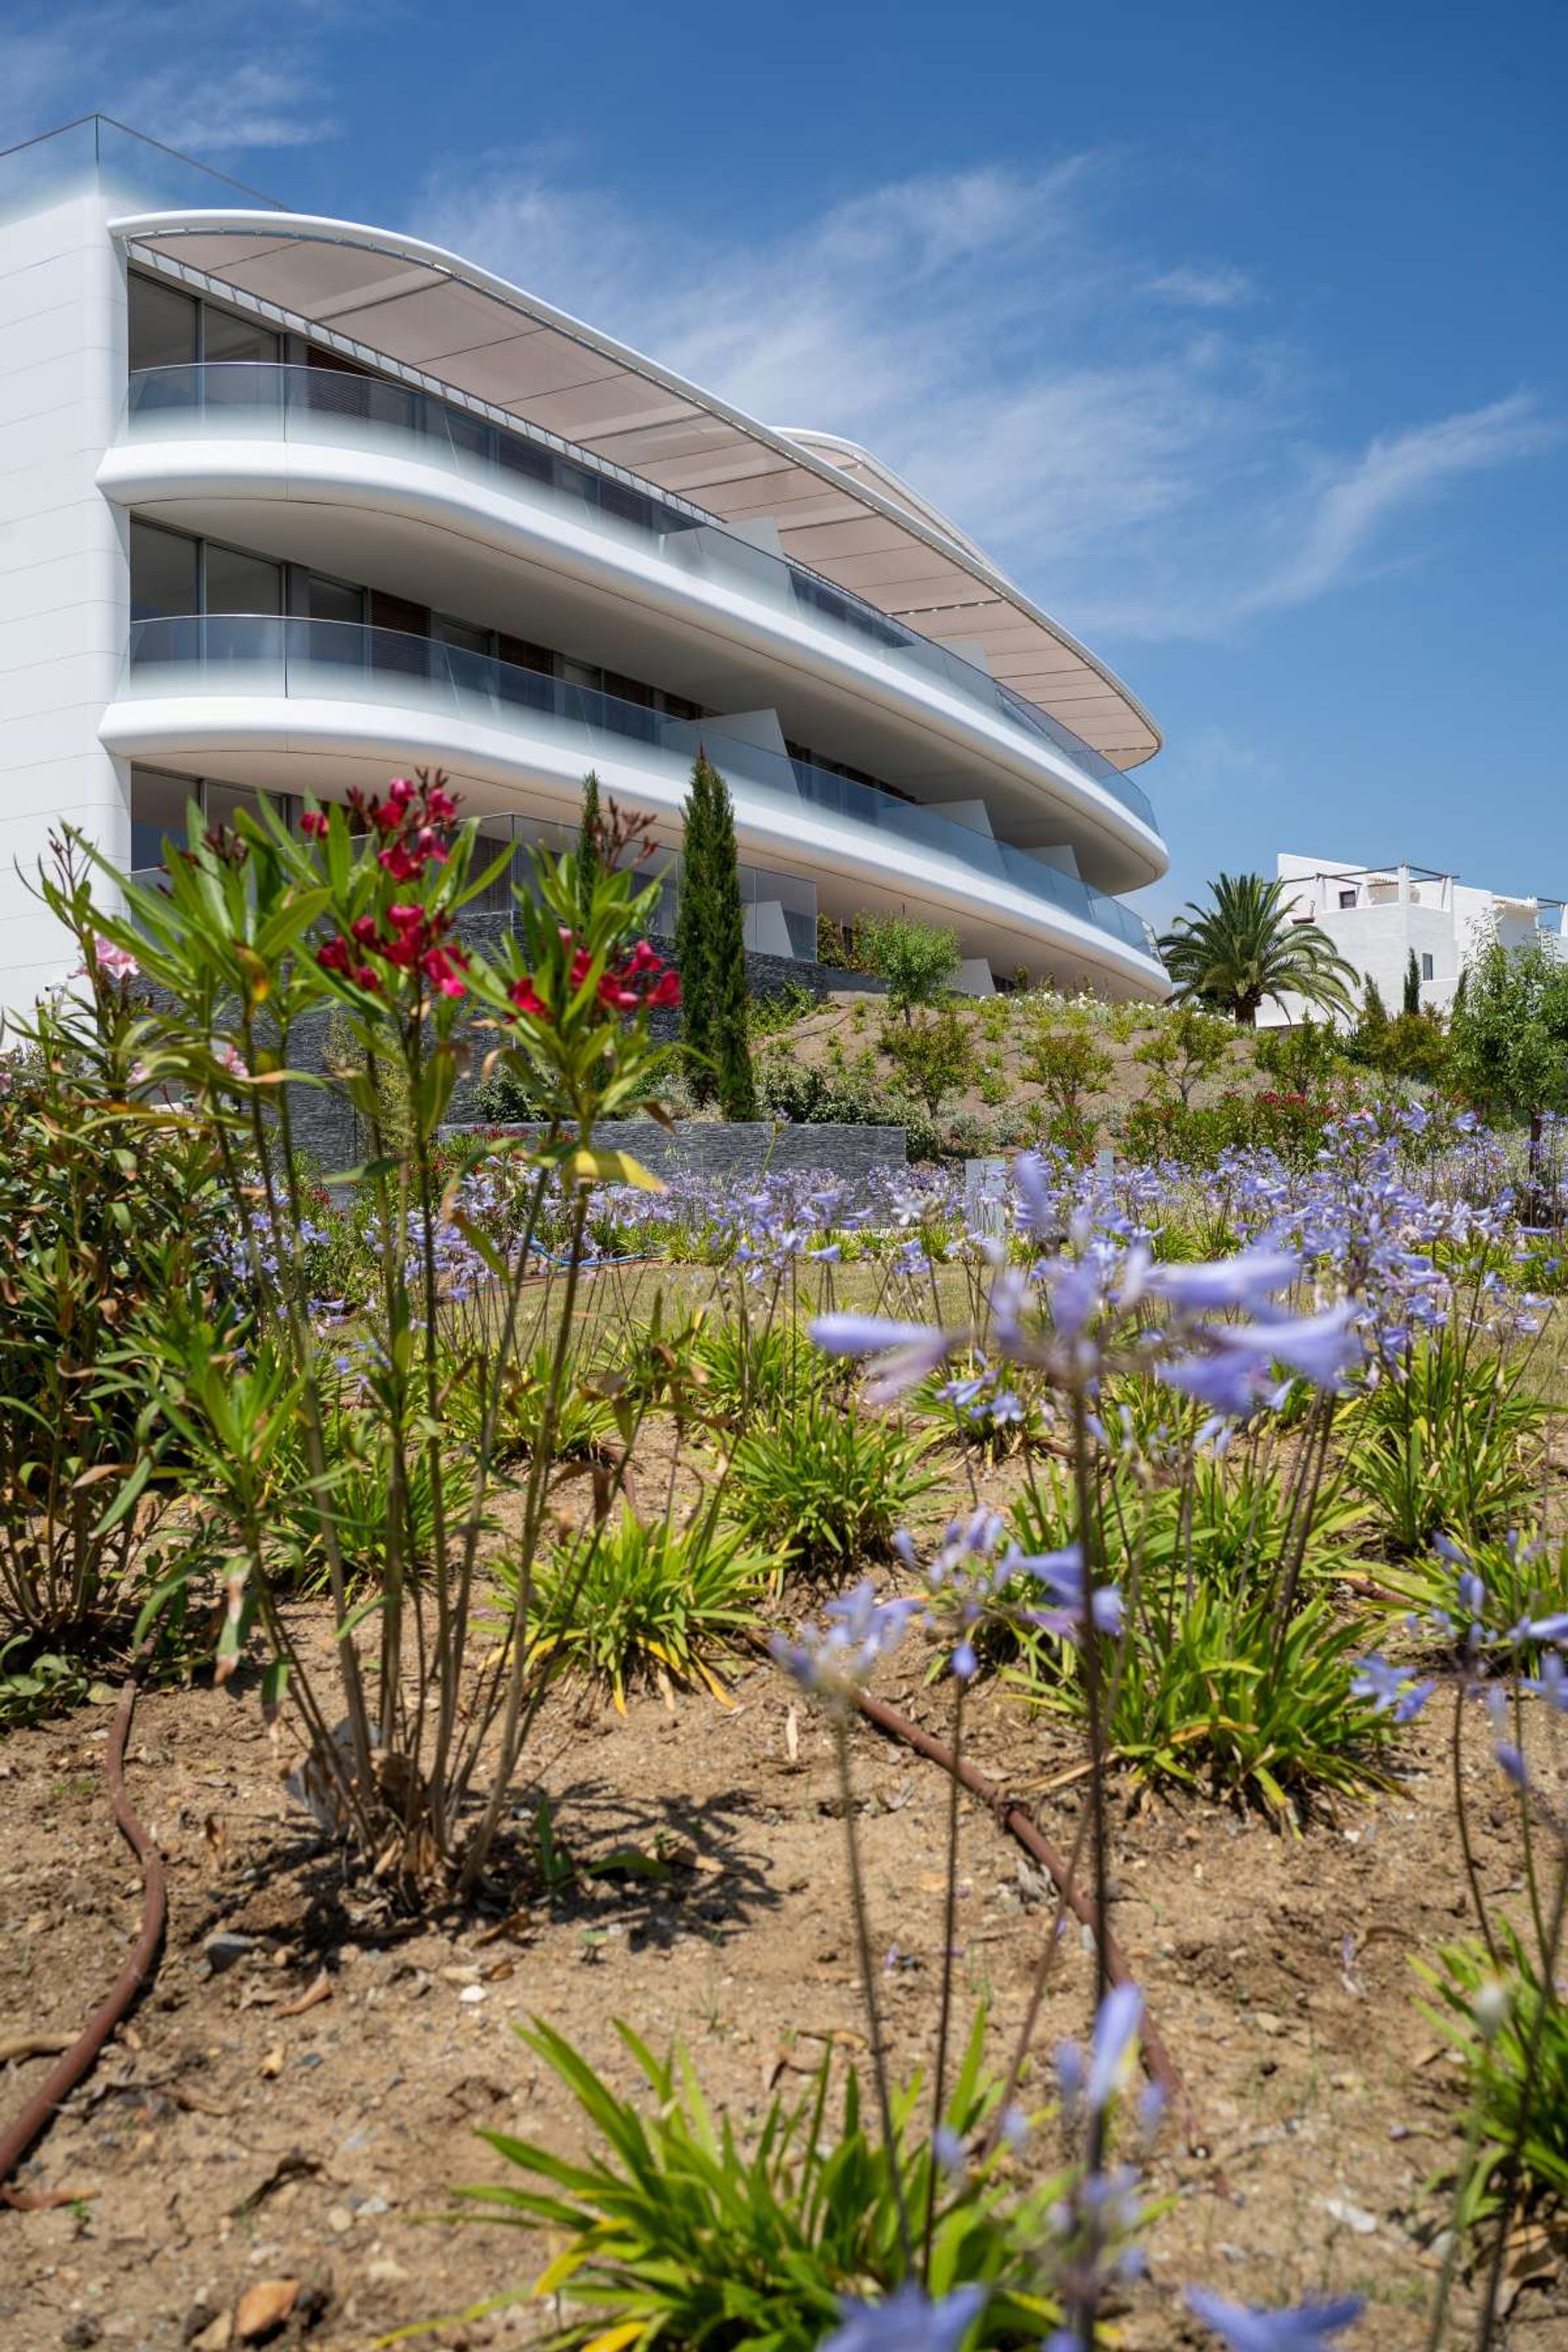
<point>64,566</point>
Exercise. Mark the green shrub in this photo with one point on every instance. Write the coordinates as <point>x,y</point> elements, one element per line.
<point>1290,1124</point>
<point>584,1423</point>
<point>1212,1694</point>
<point>1520,1577</point>
<point>919,960</point>
<point>825,1486</point>
<point>1441,1444</point>
<point>1186,1046</point>
<point>636,1602</point>
<point>1499,2067</point>
<point>108,1210</point>
<point>931,1057</point>
<point>678,2235</point>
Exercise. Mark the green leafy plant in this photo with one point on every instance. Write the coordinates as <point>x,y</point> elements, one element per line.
<point>108,1205</point>
<point>1211,1692</point>
<point>1510,2025</point>
<point>632,1602</point>
<point>931,1057</point>
<point>1440,1445</point>
<point>1188,1046</point>
<point>919,960</point>
<point>825,1486</point>
<point>679,2234</point>
<point>252,932</point>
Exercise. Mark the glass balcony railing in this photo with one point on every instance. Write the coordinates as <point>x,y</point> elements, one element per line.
<point>96,154</point>
<point>241,653</point>
<point>243,397</point>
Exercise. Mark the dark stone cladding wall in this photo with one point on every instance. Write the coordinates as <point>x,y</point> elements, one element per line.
<point>714,1149</point>
<point>327,1128</point>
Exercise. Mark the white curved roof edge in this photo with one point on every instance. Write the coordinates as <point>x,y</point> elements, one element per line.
<point>893,485</point>
<point>936,533</point>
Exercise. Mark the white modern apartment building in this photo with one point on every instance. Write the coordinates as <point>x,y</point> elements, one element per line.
<point>291,503</point>
<point>1379,915</point>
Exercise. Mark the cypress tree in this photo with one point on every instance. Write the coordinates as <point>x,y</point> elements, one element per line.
<point>589,857</point>
<point>728,1041</point>
<point>694,931</point>
<point>1412,1002</point>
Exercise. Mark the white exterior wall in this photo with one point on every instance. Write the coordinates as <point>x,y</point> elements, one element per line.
<point>64,567</point>
<point>1398,911</point>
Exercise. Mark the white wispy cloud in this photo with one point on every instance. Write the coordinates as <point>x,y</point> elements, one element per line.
<point>1347,505</point>
<point>237,82</point>
<point>1202,290</point>
<point>1139,443</point>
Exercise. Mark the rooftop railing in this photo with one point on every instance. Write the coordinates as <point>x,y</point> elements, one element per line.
<point>97,153</point>
<point>270,398</point>
<point>244,653</point>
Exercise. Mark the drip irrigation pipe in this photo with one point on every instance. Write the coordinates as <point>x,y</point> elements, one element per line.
<point>1017,1819</point>
<point>39,2111</point>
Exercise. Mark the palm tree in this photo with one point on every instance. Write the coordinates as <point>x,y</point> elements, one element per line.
<point>1247,947</point>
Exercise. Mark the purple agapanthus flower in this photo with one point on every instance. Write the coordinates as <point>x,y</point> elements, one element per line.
<point>908,2321</point>
<point>1393,1690</point>
<point>1247,1280</point>
<point>1246,2328</point>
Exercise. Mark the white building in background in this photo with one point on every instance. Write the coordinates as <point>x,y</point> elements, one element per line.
<point>288,504</point>
<point>1378,916</point>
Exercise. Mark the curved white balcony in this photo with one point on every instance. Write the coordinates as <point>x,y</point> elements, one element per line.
<point>241,437</point>
<point>310,706</point>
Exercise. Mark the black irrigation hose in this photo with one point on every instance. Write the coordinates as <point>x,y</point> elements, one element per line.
<point>39,2111</point>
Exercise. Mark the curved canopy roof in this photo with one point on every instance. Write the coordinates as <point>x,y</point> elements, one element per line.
<point>384,297</point>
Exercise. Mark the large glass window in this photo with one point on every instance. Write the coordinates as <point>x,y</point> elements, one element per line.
<point>222,803</point>
<point>158,805</point>
<point>238,582</point>
<point>227,337</point>
<point>163,323</point>
<point>165,572</point>
<point>332,600</point>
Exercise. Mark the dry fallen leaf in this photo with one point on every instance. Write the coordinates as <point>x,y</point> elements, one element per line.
<point>263,2307</point>
<point>311,1998</point>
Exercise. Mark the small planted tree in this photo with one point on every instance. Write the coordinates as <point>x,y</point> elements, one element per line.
<point>932,1056</point>
<point>1411,1002</point>
<point>694,932</point>
<point>412,1741</point>
<point>1066,1063</point>
<point>729,1029</point>
<point>711,949</point>
<point>1508,1044</point>
<point>1188,1046</point>
<point>918,960</point>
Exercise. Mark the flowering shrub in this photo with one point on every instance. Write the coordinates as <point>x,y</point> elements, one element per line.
<point>255,930</point>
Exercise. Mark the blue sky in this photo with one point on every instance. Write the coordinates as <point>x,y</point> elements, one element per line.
<point>1234,333</point>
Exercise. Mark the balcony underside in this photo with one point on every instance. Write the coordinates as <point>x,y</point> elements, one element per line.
<point>312,742</point>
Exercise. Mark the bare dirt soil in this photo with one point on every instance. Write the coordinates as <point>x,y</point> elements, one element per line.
<point>291,2100</point>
